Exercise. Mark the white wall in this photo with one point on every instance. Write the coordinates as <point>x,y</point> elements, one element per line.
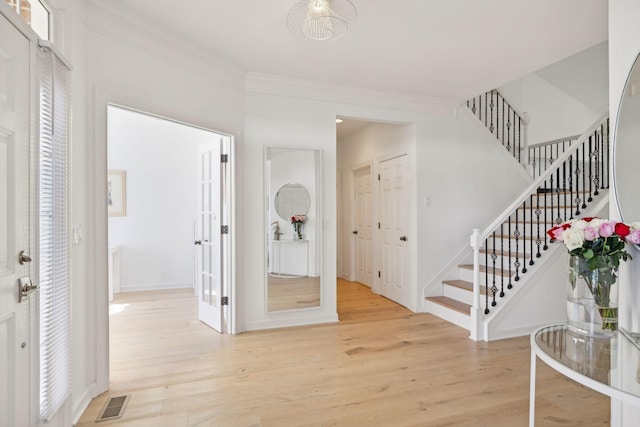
<point>584,76</point>
<point>71,40</point>
<point>284,122</point>
<point>152,74</point>
<point>553,113</point>
<point>160,159</point>
<point>624,45</point>
<point>467,178</point>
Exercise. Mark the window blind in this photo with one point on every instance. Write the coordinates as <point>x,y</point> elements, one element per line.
<point>54,260</point>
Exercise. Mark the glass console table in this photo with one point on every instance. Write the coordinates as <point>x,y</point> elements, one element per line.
<point>610,366</point>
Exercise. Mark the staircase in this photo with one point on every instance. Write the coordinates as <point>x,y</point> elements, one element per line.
<point>570,180</point>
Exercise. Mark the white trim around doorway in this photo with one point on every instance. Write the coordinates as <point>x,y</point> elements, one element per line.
<point>98,211</point>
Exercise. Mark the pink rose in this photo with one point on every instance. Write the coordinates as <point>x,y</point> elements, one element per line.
<point>590,234</point>
<point>607,229</point>
<point>634,237</point>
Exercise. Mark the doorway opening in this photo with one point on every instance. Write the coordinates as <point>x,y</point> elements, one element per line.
<point>168,205</point>
<point>374,225</point>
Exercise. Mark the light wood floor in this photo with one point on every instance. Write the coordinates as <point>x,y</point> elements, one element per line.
<point>292,293</point>
<point>380,366</point>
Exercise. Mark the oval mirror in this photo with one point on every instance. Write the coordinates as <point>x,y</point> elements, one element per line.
<point>627,148</point>
<point>290,200</point>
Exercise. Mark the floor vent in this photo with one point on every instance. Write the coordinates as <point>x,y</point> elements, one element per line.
<point>114,408</point>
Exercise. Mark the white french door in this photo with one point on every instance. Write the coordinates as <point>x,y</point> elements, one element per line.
<point>17,319</point>
<point>208,242</point>
<point>363,231</point>
<point>394,220</point>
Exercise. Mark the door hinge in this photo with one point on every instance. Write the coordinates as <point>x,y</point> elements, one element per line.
<point>379,274</point>
<point>378,226</point>
<point>224,158</point>
<point>224,229</point>
<point>224,301</point>
<point>378,177</point>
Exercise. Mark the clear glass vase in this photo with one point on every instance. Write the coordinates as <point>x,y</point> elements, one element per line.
<point>592,297</point>
<point>297,230</point>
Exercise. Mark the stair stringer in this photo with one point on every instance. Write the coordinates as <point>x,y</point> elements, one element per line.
<point>435,287</point>
<point>539,298</point>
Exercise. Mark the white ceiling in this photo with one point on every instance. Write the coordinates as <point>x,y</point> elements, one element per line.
<point>445,49</point>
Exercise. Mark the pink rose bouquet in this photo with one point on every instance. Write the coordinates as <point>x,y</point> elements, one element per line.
<point>591,237</point>
<point>297,219</point>
<point>596,245</point>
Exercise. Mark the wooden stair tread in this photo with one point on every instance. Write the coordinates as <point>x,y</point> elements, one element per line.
<point>463,284</point>
<point>484,268</point>
<point>452,304</point>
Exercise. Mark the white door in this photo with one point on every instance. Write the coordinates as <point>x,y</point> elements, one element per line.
<point>208,243</point>
<point>16,338</point>
<point>394,218</point>
<point>363,231</point>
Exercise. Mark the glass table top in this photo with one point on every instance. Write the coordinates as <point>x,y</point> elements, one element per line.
<point>613,362</point>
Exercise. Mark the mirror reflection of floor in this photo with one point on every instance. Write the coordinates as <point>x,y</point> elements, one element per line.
<point>293,293</point>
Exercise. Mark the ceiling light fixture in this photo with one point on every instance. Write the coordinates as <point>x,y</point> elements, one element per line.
<point>321,20</point>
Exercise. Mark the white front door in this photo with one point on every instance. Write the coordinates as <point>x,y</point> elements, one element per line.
<point>16,336</point>
<point>208,244</point>
<point>363,230</point>
<point>394,219</point>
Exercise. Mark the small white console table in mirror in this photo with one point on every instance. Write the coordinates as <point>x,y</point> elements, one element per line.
<point>289,258</point>
<point>606,365</point>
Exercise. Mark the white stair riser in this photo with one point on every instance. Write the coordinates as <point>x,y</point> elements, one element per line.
<point>458,294</point>
<point>523,239</point>
<point>524,228</point>
<point>504,261</point>
<point>526,215</point>
<point>467,275</point>
<point>455,317</point>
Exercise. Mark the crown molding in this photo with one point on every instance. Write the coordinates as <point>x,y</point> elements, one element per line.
<point>268,84</point>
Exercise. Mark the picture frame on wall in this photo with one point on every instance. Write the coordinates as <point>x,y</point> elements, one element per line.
<point>116,193</point>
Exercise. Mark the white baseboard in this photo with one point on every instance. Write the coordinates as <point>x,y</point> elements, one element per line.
<point>80,405</point>
<point>285,323</point>
<point>154,286</point>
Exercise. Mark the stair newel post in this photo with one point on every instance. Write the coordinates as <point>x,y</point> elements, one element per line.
<point>476,312</point>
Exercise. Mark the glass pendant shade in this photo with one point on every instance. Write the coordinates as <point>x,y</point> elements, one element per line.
<point>321,20</point>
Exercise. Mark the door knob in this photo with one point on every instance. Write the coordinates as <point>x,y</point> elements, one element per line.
<point>23,258</point>
<point>354,232</point>
<point>25,287</point>
<point>403,238</point>
<point>197,242</point>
